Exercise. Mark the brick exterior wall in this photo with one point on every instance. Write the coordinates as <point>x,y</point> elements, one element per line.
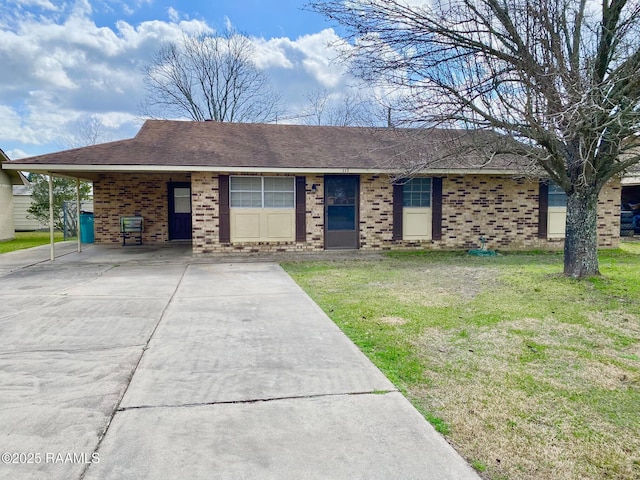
<point>122,194</point>
<point>499,208</point>
<point>376,212</point>
<point>502,209</point>
<point>206,219</point>
<point>609,215</point>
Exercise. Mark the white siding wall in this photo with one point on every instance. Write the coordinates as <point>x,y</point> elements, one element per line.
<point>21,218</point>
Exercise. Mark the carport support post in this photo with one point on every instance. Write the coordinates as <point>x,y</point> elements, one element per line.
<point>78,213</point>
<point>51,232</point>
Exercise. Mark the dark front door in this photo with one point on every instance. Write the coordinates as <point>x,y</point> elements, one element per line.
<point>179,211</point>
<point>341,195</point>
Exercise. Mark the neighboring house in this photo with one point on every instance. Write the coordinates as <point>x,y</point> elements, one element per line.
<point>8,178</point>
<point>23,221</point>
<point>252,187</point>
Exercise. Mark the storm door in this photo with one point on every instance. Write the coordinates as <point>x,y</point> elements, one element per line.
<point>341,194</point>
<point>179,211</point>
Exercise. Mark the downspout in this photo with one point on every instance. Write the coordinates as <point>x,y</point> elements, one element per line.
<point>51,232</point>
<point>78,213</point>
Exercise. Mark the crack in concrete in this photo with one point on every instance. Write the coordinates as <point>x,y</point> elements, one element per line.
<point>116,408</point>
<point>257,400</point>
<point>74,350</point>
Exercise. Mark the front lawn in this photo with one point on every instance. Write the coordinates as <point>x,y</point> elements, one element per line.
<point>529,374</point>
<point>27,240</point>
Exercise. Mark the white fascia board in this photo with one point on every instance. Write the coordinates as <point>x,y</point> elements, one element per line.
<point>175,168</point>
<point>630,180</point>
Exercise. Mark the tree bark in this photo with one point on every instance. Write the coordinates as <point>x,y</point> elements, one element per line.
<point>581,237</point>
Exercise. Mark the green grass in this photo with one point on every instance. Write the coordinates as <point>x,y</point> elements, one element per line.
<point>27,240</point>
<point>529,374</point>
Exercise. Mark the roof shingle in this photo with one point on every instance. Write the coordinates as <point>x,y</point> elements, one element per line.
<point>235,145</point>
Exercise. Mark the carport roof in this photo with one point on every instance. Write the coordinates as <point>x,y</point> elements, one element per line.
<point>163,145</point>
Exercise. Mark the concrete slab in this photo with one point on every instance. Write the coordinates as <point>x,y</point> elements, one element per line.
<point>246,347</point>
<point>224,280</point>
<point>161,254</point>
<point>12,261</point>
<point>48,278</point>
<point>66,358</point>
<point>133,281</point>
<point>58,402</point>
<point>81,323</point>
<point>336,437</point>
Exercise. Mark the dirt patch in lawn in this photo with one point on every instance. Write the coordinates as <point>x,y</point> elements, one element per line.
<point>435,286</point>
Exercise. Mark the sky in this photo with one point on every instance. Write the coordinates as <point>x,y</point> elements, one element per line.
<point>64,62</point>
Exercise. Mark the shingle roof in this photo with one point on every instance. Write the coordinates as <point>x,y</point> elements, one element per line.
<point>165,143</point>
<point>16,177</point>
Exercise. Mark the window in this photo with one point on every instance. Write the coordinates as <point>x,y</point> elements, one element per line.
<point>556,211</point>
<point>557,197</point>
<point>278,192</point>
<point>417,193</point>
<point>262,192</point>
<point>181,200</point>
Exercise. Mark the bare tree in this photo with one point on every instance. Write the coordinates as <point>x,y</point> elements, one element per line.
<point>88,130</point>
<point>325,107</point>
<point>559,79</point>
<point>209,77</point>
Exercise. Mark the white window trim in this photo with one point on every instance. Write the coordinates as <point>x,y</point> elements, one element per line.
<point>262,191</point>
<point>430,193</point>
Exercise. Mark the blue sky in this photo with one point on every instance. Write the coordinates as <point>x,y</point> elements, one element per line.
<point>63,62</point>
<point>261,18</point>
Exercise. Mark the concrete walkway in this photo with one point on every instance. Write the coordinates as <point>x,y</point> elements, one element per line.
<point>195,370</point>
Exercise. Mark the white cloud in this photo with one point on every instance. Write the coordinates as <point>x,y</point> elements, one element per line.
<point>44,4</point>
<point>174,16</point>
<point>58,68</point>
<point>16,154</point>
<point>227,23</point>
<point>314,53</point>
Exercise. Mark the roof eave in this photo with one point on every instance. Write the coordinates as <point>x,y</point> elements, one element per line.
<point>94,169</point>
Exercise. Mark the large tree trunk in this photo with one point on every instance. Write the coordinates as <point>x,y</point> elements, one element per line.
<point>581,237</point>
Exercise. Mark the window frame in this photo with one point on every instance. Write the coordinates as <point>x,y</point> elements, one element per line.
<point>263,191</point>
<point>407,195</point>
<point>554,193</point>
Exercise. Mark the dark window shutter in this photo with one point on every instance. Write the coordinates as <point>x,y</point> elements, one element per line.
<point>397,211</point>
<point>301,209</point>
<point>223,205</point>
<point>436,208</point>
<point>543,209</point>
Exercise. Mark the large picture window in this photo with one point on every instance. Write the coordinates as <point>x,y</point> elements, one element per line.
<point>262,192</point>
<point>417,193</point>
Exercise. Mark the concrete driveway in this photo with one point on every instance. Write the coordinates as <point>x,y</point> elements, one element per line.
<point>141,363</point>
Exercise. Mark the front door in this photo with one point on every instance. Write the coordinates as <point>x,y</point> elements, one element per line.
<point>341,194</point>
<point>179,211</point>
